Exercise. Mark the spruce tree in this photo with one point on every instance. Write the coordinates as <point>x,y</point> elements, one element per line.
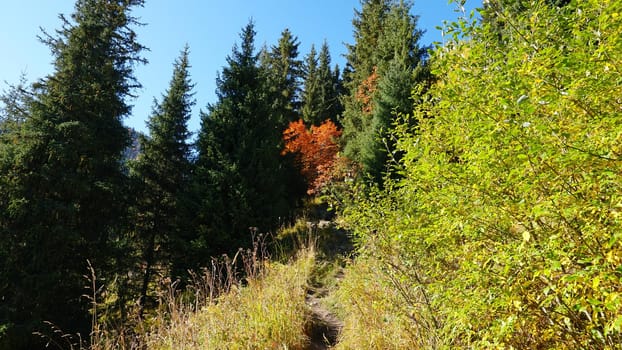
<point>311,93</point>
<point>320,96</point>
<point>368,26</point>
<point>239,173</point>
<point>385,63</point>
<point>62,185</point>
<point>163,170</point>
<point>284,73</point>
<point>14,107</point>
<point>330,87</point>
<point>362,62</point>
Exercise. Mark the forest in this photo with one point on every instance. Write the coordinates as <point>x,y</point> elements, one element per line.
<point>478,184</point>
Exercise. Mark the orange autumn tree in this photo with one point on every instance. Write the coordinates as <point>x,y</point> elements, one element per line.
<point>367,89</point>
<point>315,151</point>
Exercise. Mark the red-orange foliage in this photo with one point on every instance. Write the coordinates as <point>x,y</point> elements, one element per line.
<point>315,151</point>
<point>366,90</point>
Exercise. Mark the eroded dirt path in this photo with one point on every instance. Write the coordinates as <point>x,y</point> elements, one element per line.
<point>334,246</point>
<point>324,326</point>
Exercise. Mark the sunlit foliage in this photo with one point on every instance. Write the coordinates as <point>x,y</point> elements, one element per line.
<point>504,231</point>
<point>315,151</point>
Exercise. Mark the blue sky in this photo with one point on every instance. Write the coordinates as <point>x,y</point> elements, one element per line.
<point>210,27</point>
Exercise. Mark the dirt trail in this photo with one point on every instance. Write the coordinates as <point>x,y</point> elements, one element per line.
<point>333,245</point>
<point>324,326</point>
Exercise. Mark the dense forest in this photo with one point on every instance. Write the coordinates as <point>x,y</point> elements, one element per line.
<point>480,181</point>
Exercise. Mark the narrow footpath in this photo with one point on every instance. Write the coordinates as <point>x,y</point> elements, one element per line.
<point>334,245</point>
<point>324,326</point>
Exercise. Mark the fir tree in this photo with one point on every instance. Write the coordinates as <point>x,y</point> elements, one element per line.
<point>330,83</point>
<point>284,72</point>
<point>62,185</point>
<point>14,108</point>
<point>311,94</point>
<point>368,26</point>
<point>321,88</point>
<point>385,63</point>
<point>362,61</point>
<point>163,170</point>
<point>240,174</point>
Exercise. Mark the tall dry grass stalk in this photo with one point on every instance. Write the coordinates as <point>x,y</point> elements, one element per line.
<point>243,302</point>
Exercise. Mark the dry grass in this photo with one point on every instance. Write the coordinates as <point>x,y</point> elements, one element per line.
<point>268,313</point>
<point>371,312</point>
<point>264,310</point>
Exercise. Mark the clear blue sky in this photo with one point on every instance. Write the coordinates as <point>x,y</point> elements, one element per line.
<point>210,27</point>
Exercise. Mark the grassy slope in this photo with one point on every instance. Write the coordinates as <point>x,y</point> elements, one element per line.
<point>268,313</point>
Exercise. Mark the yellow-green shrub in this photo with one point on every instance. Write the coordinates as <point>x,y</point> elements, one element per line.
<point>373,312</point>
<point>507,216</point>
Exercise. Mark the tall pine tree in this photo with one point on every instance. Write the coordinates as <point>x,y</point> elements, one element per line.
<point>385,63</point>
<point>239,170</point>
<point>330,87</point>
<point>311,98</point>
<point>62,186</point>
<point>322,87</point>
<point>162,170</point>
<point>284,73</point>
<point>14,107</point>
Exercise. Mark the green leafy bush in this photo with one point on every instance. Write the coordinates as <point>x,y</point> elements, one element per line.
<point>506,221</point>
